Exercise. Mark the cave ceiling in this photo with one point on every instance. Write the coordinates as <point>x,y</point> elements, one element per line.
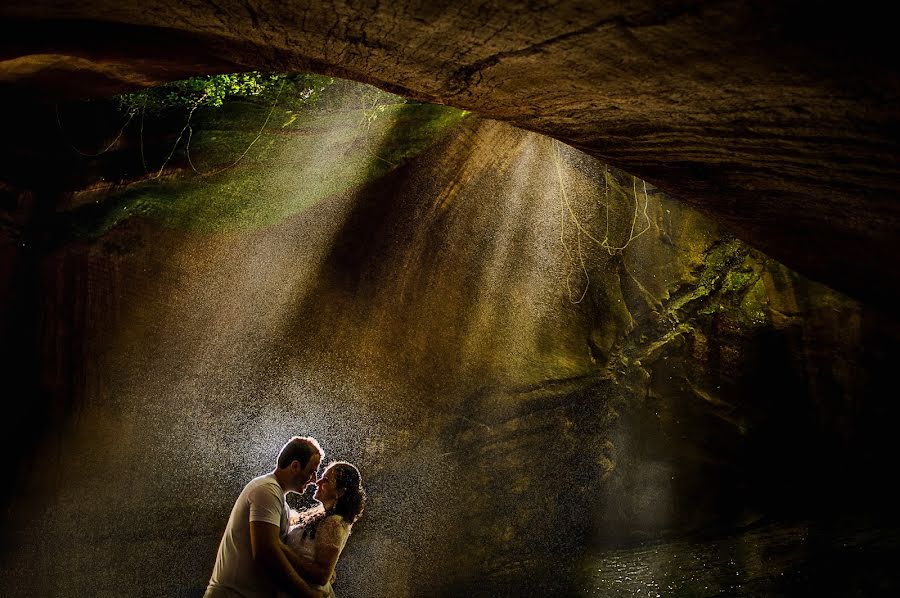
<point>780,120</point>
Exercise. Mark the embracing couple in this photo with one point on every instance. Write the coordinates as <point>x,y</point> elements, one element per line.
<point>268,548</point>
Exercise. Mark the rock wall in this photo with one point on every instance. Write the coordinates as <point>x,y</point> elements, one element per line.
<point>529,355</point>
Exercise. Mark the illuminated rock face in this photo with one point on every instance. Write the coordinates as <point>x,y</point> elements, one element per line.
<point>512,390</point>
<point>779,121</point>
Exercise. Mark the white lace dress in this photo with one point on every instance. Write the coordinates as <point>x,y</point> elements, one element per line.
<point>332,531</point>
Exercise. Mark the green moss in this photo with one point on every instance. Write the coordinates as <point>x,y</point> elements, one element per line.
<point>737,280</point>
<point>723,274</point>
<point>754,304</point>
<point>709,309</point>
<point>720,261</point>
<point>300,159</point>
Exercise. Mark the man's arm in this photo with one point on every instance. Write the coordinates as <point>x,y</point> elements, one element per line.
<point>265,542</point>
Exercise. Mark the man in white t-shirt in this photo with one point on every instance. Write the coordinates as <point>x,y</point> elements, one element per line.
<point>253,561</point>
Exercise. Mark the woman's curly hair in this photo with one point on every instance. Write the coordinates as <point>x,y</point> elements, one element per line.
<point>349,505</point>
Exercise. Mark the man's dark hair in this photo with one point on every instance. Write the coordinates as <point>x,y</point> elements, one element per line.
<point>298,448</point>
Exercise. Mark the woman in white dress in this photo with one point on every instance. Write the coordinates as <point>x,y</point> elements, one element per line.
<point>321,533</point>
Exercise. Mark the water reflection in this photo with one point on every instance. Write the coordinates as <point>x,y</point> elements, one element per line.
<point>777,559</point>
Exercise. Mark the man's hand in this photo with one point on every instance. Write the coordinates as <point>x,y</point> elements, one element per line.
<point>314,592</point>
<point>266,547</point>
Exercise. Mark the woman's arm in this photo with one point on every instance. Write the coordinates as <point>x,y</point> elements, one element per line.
<point>322,569</point>
<point>331,535</point>
<point>298,562</point>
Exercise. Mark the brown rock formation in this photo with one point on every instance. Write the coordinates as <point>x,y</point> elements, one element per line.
<point>780,120</point>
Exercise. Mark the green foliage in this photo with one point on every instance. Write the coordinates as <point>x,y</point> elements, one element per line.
<point>322,155</point>
<point>293,90</point>
<point>257,151</point>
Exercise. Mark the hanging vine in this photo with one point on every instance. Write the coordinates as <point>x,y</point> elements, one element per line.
<point>579,229</point>
<point>369,115</point>
<point>241,157</point>
<point>566,208</point>
<point>86,154</point>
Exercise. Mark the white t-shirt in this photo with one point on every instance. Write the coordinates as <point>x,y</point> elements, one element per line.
<point>235,572</point>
